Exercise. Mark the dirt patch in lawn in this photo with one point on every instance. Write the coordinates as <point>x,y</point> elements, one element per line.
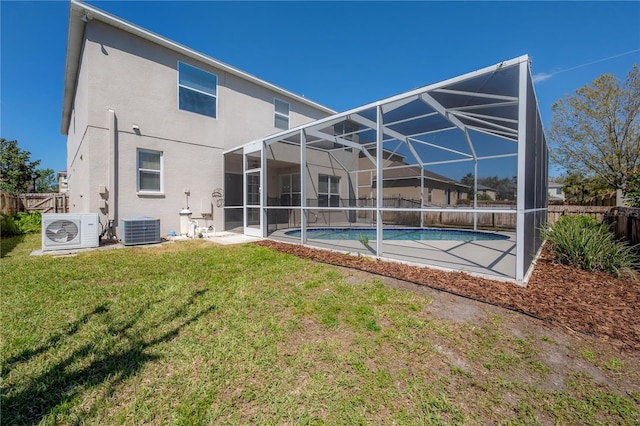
<point>592,303</point>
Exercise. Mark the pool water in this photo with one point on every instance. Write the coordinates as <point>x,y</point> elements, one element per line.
<point>399,234</point>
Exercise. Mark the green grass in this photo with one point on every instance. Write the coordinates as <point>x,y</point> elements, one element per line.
<point>190,333</point>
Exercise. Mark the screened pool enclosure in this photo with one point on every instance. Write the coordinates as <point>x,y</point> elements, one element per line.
<point>466,154</point>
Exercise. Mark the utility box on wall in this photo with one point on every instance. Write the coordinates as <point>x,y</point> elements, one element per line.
<point>206,208</point>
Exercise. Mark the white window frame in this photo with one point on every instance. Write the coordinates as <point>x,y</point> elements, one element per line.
<point>329,194</point>
<point>291,192</point>
<point>277,114</point>
<point>178,86</point>
<point>345,130</point>
<point>159,172</point>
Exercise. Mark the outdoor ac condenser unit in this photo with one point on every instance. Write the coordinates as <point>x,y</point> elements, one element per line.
<point>64,231</point>
<point>140,230</point>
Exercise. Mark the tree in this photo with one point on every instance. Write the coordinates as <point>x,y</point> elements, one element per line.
<point>468,181</point>
<point>505,187</point>
<point>47,180</point>
<point>15,167</point>
<point>578,188</point>
<point>597,131</point>
<point>574,188</point>
<point>632,190</point>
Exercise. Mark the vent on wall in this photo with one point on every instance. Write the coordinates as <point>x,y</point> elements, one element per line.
<point>140,230</point>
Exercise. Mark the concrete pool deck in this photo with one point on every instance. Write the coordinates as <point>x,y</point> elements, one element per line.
<point>495,259</point>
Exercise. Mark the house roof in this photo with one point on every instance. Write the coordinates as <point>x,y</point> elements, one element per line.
<point>395,171</point>
<point>79,12</point>
<point>486,188</point>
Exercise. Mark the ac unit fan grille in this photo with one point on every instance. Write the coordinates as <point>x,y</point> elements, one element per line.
<point>62,231</point>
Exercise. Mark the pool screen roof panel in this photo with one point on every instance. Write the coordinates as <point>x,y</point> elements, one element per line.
<point>481,102</point>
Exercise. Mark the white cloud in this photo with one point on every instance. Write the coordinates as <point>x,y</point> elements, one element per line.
<point>542,76</point>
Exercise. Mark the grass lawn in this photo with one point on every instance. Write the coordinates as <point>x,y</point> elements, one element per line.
<point>192,333</point>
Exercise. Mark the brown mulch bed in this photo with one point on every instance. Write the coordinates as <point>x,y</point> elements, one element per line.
<point>594,303</point>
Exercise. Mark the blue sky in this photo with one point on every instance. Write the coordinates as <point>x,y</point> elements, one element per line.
<point>340,54</point>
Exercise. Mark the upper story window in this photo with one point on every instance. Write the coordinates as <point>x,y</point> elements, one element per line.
<point>281,115</point>
<point>345,130</point>
<point>149,171</point>
<point>328,191</point>
<point>197,90</point>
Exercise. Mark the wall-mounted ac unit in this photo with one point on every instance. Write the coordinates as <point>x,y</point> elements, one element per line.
<point>64,231</point>
<point>140,230</point>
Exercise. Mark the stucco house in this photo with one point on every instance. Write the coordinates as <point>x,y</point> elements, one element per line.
<point>405,181</point>
<point>555,192</point>
<point>147,120</point>
<point>487,193</point>
<point>154,127</point>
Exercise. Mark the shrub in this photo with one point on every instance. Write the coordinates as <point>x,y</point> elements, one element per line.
<point>364,240</point>
<point>8,226</point>
<point>584,242</point>
<point>29,223</point>
<point>20,223</point>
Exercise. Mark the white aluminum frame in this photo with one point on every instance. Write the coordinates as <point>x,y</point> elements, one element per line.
<point>248,149</point>
<point>460,117</point>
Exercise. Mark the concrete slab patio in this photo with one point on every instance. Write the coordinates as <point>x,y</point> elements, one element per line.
<point>495,259</point>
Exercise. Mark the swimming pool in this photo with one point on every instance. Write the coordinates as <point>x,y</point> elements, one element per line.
<point>398,234</point>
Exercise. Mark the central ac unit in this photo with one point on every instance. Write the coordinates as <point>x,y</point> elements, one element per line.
<point>140,230</point>
<point>64,231</point>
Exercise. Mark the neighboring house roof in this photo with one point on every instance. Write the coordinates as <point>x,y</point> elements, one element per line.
<point>79,12</point>
<point>554,185</point>
<point>486,188</point>
<point>414,173</point>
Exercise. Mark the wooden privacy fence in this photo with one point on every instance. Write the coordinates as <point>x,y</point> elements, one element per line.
<point>465,219</point>
<point>604,200</point>
<point>556,212</point>
<point>44,203</point>
<point>9,203</point>
<point>625,222</point>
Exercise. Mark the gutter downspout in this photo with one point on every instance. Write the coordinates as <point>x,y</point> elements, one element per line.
<point>112,215</point>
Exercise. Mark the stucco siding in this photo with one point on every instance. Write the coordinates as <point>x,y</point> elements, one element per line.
<point>184,167</point>
<point>138,80</point>
<point>77,168</point>
<point>88,170</point>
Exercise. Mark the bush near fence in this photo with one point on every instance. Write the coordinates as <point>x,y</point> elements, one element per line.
<point>624,221</point>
